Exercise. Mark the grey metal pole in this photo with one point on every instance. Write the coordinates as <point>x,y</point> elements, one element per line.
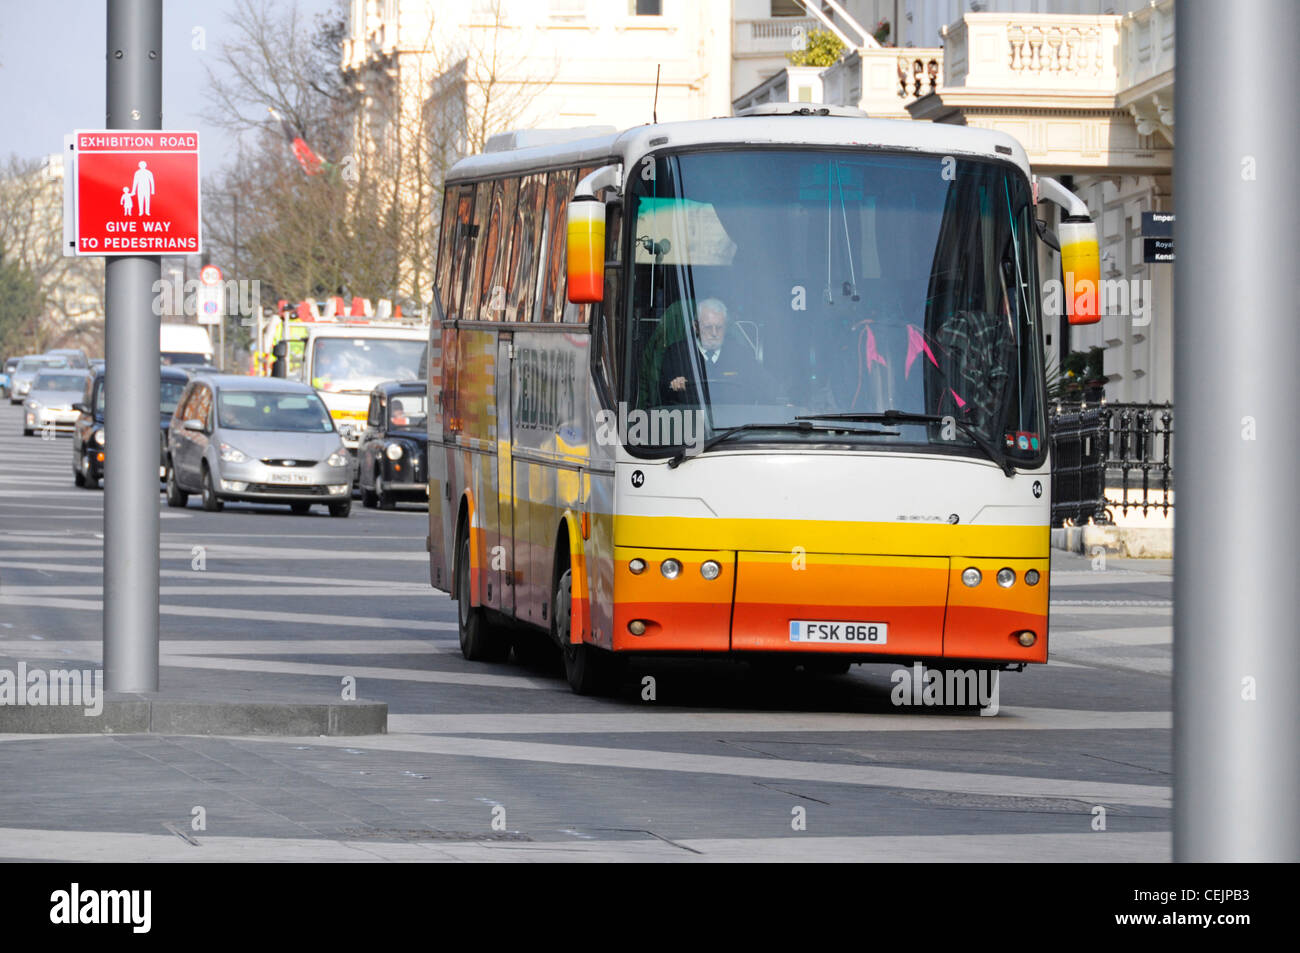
<point>134,101</point>
<point>1237,578</point>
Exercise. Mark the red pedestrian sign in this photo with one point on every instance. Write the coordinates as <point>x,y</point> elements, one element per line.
<point>131,192</point>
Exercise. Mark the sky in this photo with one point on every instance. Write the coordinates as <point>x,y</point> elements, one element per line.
<point>52,70</point>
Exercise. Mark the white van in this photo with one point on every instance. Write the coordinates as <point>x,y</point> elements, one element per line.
<point>344,362</point>
<point>184,344</point>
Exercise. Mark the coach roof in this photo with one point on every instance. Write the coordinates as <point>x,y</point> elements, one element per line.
<point>895,135</point>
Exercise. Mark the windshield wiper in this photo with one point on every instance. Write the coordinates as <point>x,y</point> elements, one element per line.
<point>907,417</point>
<point>802,426</point>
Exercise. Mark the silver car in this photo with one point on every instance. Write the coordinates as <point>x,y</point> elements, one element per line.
<point>20,382</point>
<point>258,439</point>
<point>51,401</point>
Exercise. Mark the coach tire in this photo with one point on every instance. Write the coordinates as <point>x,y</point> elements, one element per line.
<point>589,670</point>
<point>478,642</point>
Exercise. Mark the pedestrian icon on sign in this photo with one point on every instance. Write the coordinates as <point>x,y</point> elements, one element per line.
<point>126,200</point>
<point>143,186</point>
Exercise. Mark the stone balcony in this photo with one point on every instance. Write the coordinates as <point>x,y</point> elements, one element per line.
<point>1063,85</point>
<point>883,81</point>
<point>1025,52</point>
<point>770,36</point>
<point>1146,67</point>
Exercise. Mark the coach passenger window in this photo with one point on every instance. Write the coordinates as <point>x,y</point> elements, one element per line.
<point>496,251</point>
<point>523,271</point>
<point>474,254</point>
<point>446,233</point>
<point>491,238</point>
<point>559,186</point>
<point>461,243</point>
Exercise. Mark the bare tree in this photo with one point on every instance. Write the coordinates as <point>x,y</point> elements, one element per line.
<point>70,290</point>
<point>366,221</point>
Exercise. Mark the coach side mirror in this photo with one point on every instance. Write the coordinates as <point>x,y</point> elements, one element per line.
<point>586,250</point>
<point>1081,270</point>
<point>1080,251</point>
<point>586,236</point>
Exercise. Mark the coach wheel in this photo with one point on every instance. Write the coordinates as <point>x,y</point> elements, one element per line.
<point>589,670</point>
<point>478,642</point>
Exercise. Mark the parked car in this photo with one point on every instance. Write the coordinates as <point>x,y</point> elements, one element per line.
<point>88,447</point>
<point>26,371</point>
<point>75,357</point>
<point>258,439</point>
<point>392,458</point>
<point>96,363</point>
<point>51,399</point>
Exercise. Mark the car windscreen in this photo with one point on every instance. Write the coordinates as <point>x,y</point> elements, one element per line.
<point>169,395</point>
<point>185,357</point>
<point>59,382</point>
<point>270,410</point>
<point>40,364</point>
<point>356,364</point>
<point>407,411</point>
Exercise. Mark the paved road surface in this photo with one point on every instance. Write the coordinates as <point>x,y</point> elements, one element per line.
<point>715,768</point>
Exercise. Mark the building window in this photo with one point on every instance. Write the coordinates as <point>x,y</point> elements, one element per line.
<point>568,9</point>
<point>646,8</point>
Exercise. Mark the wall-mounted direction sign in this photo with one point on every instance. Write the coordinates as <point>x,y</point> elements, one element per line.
<point>1157,236</point>
<point>131,192</point>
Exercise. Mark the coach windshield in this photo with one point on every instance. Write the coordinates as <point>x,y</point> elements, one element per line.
<point>873,299</point>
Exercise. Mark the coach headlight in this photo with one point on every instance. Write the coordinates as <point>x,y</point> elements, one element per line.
<point>710,569</point>
<point>671,568</point>
<point>972,577</point>
<point>1006,578</point>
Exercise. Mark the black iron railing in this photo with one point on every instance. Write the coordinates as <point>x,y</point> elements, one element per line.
<point>1126,449</point>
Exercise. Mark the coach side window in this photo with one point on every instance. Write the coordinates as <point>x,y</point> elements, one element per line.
<point>446,238</point>
<point>526,252</point>
<point>559,186</point>
<point>496,250</point>
<point>461,242</point>
<point>474,250</point>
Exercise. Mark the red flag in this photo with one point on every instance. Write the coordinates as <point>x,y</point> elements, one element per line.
<point>310,162</point>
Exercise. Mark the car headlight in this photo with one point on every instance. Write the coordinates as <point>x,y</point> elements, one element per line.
<point>337,459</point>
<point>99,437</point>
<point>230,455</point>
<point>393,451</point>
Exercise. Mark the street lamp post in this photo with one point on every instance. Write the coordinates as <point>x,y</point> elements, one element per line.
<point>1236,602</point>
<point>131,381</point>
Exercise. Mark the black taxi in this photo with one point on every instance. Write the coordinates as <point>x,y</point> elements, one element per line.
<point>392,459</point>
<point>88,432</point>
